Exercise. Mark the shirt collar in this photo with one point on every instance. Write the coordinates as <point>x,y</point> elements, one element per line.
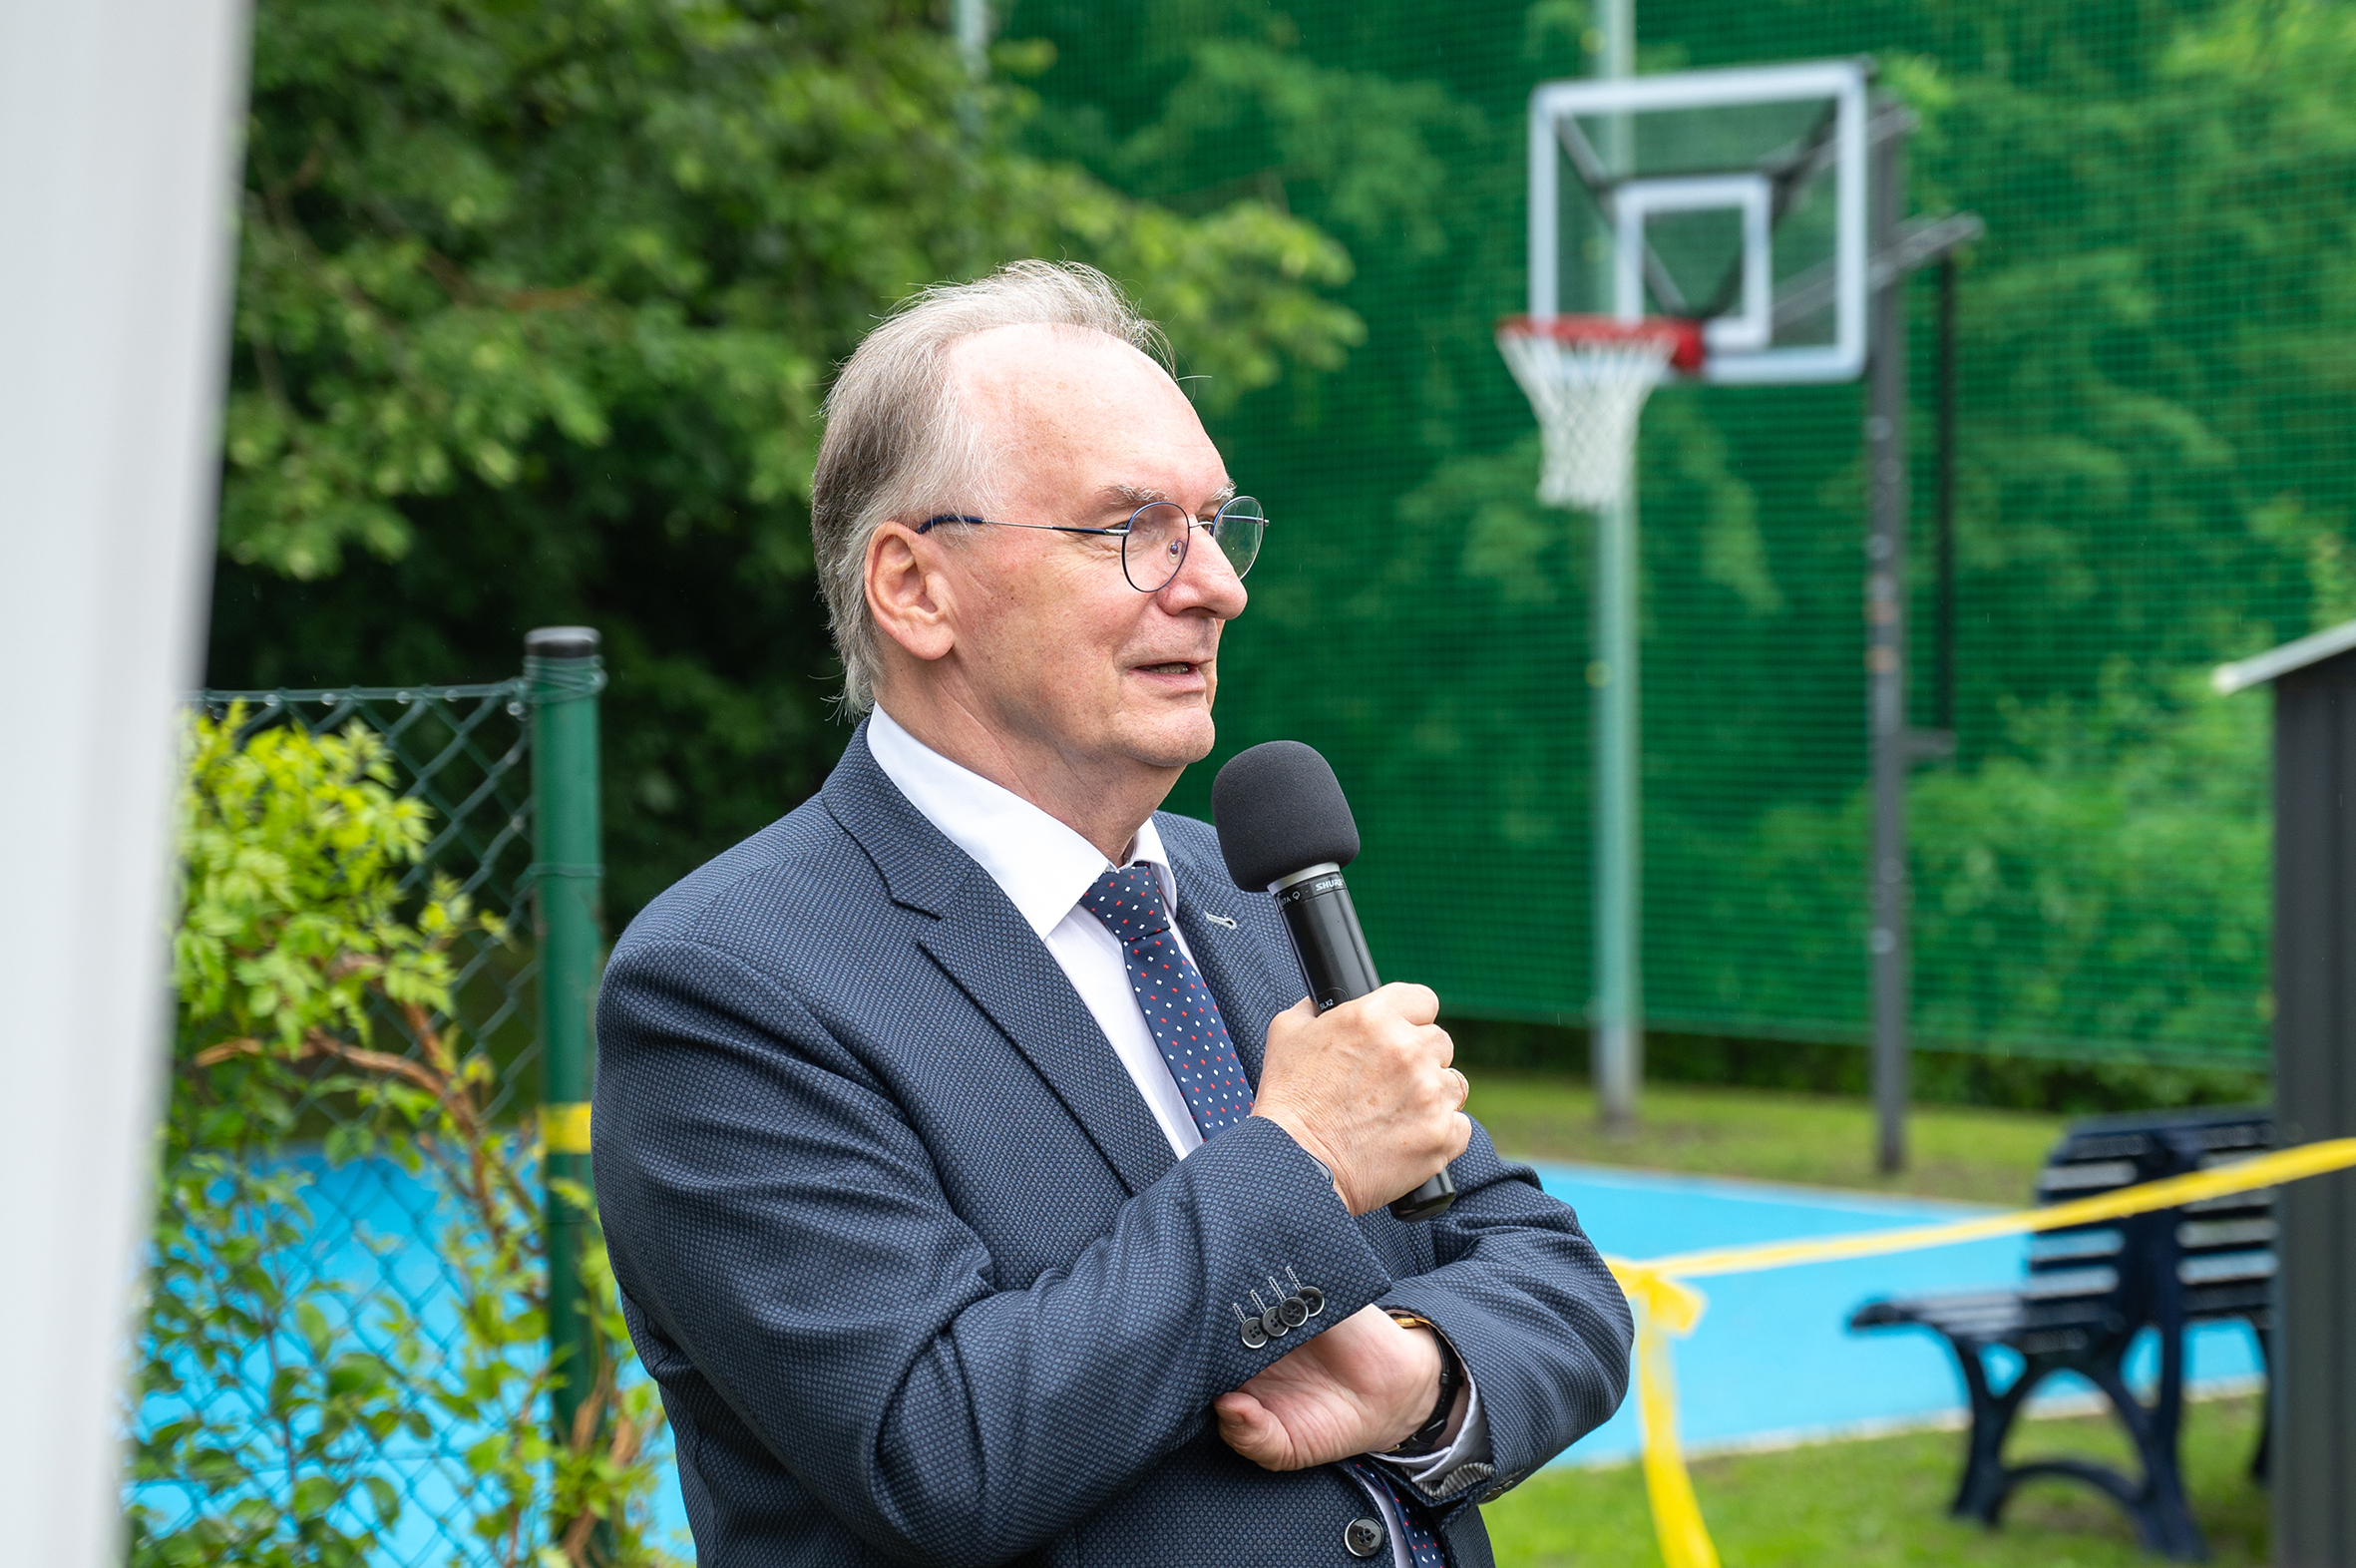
<point>1043,866</point>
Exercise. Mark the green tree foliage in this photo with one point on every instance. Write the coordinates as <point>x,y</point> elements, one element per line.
<point>534,308</point>
<point>618,247</point>
<point>273,1393</point>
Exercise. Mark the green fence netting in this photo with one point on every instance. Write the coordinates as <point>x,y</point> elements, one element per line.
<point>374,1232</point>
<point>2152,476</point>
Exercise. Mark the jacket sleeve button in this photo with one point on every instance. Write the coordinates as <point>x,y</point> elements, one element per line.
<point>1363,1537</point>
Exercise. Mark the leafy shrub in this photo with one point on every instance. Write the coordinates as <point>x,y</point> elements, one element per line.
<point>286,1406</point>
<point>2099,891</point>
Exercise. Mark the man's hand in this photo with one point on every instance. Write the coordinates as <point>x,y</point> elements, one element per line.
<point>1368,1090</point>
<point>1358,1387</point>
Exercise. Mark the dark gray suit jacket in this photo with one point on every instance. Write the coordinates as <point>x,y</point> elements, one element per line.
<point>917,1271</point>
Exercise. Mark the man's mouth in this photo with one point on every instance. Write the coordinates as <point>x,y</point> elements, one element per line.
<point>1176,667</point>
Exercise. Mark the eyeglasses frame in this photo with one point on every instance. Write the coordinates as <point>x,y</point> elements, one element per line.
<point>1119,530</point>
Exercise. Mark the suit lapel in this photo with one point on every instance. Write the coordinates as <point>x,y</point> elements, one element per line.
<point>992,954</point>
<point>998,961</point>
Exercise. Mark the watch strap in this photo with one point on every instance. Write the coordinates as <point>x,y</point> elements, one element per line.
<point>1425,1438</point>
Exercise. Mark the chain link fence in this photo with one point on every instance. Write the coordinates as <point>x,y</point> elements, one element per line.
<point>466,753</point>
<point>371,1235</point>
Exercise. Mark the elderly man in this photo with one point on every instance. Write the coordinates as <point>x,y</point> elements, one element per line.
<point>944,1244</point>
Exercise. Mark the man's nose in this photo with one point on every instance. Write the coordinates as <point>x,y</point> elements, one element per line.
<point>1206,579</point>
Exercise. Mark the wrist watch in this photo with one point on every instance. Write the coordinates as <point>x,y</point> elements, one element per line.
<point>1425,1438</point>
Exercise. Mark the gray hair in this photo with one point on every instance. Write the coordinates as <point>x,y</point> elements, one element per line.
<point>897,444</point>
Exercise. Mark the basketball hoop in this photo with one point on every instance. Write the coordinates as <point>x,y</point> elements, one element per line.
<point>1587,378</point>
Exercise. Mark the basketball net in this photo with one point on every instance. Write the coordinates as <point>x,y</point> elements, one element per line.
<point>1587,379</point>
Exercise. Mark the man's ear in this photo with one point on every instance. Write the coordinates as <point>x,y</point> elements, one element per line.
<point>907,592</point>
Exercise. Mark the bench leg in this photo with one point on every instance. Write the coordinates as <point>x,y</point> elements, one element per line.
<point>1980,1494</point>
<point>2156,1506</point>
<point>2163,1518</point>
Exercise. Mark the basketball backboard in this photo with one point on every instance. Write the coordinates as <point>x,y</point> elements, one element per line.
<point>1734,197</point>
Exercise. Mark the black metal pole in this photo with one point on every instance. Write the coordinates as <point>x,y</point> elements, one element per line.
<point>1885,661</point>
<point>1946,498</point>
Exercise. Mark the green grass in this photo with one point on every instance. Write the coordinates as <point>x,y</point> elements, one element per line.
<point>1984,1156</point>
<point>1882,1503</point>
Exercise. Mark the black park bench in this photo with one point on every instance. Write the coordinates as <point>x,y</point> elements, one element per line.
<point>2092,1289</point>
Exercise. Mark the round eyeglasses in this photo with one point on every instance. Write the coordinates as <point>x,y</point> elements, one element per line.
<point>1154,540</point>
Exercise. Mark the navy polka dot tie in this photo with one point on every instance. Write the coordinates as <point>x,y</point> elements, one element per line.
<point>1185,1023</point>
<point>1178,1008</point>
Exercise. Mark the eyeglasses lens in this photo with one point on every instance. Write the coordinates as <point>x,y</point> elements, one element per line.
<point>1155,546</point>
<point>1238,529</point>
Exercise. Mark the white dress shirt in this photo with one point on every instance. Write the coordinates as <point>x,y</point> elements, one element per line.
<point>1044,868</point>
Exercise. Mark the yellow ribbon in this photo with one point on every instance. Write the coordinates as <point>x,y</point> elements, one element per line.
<point>1664,1307</point>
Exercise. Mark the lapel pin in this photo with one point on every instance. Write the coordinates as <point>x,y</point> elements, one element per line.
<point>1219,920</point>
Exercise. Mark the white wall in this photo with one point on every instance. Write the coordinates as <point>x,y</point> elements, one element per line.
<point>119,123</point>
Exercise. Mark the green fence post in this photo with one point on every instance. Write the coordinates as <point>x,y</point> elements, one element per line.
<point>561,667</point>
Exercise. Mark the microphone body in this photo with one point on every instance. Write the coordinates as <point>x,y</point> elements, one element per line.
<point>1285,826</point>
<point>1331,945</point>
<point>1326,936</point>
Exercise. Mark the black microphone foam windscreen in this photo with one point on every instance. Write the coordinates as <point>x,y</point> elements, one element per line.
<point>1279,810</point>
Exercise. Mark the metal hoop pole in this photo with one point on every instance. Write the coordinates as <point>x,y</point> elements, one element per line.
<point>1617,1008</point>
<point>1616,1060</point>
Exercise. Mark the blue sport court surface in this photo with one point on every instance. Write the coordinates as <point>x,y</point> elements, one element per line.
<point>1773,1360</point>
<point>1770,1362</point>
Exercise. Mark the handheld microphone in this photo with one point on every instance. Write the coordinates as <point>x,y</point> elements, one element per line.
<point>1285,826</point>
